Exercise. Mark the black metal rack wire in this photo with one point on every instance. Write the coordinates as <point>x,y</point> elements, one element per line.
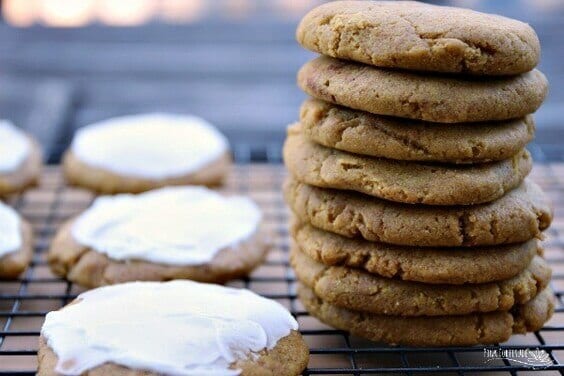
<point>25,302</point>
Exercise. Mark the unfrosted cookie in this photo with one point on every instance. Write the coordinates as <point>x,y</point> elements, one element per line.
<point>465,330</point>
<point>402,181</point>
<point>412,35</point>
<point>16,243</point>
<point>428,265</point>
<point>20,161</point>
<point>137,153</point>
<point>438,98</point>
<point>170,233</point>
<point>518,216</point>
<point>394,138</point>
<point>361,291</point>
<point>179,327</point>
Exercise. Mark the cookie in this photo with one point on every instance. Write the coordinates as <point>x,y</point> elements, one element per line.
<point>411,140</point>
<point>360,291</point>
<point>145,152</point>
<point>412,35</point>
<point>172,233</point>
<point>21,161</point>
<point>15,261</point>
<point>401,181</point>
<point>437,98</point>
<point>178,327</point>
<point>518,216</point>
<point>466,330</point>
<point>428,265</point>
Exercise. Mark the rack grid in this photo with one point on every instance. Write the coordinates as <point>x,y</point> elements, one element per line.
<point>24,302</point>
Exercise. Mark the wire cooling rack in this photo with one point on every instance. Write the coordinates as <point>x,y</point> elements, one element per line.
<point>24,302</point>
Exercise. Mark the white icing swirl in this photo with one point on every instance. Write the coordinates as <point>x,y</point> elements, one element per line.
<point>173,225</point>
<point>151,146</point>
<point>14,147</point>
<point>173,328</point>
<point>10,230</point>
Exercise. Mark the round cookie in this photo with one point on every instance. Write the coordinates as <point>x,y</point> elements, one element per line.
<point>437,98</point>
<point>394,138</point>
<point>178,327</point>
<point>21,161</point>
<point>134,154</point>
<point>451,266</point>
<point>517,217</point>
<point>171,233</point>
<point>16,250</point>
<point>401,181</point>
<point>418,36</point>
<point>358,290</point>
<point>466,330</point>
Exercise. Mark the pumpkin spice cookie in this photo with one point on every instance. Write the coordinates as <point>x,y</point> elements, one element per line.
<point>413,35</point>
<point>437,98</point>
<point>394,138</point>
<point>172,328</point>
<point>358,290</point>
<point>428,265</point>
<point>170,233</point>
<point>465,330</point>
<point>20,164</point>
<point>517,217</point>
<point>134,154</point>
<point>16,247</point>
<point>401,181</point>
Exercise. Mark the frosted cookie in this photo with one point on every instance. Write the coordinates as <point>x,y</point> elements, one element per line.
<point>173,328</point>
<point>437,265</point>
<point>137,153</point>
<point>360,291</point>
<point>16,243</point>
<point>401,181</point>
<point>518,216</point>
<point>465,330</point>
<point>20,164</point>
<point>394,138</point>
<point>169,233</point>
<point>413,35</point>
<point>437,98</point>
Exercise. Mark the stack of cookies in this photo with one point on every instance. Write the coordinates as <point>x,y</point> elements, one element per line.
<point>413,220</point>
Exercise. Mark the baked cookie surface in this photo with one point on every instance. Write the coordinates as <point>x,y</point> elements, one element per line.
<point>429,265</point>
<point>401,181</point>
<point>465,330</point>
<point>517,217</point>
<point>394,138</point>
<point>358,290</point>
<point>413,35</point>
<point>436,98</point>
<point>14,263</point>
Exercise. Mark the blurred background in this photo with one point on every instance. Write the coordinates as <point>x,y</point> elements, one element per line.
<point>67,63</point>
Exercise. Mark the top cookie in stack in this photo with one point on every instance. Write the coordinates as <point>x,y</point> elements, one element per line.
<point>408,172</point>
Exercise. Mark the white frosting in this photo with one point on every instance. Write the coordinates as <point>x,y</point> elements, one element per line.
<point>174,225</point>
<point>151,146</point>
<point>174,328</point>
<point>10,231</point>
<point>14,147</point>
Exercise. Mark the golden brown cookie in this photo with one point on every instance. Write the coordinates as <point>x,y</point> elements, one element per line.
<point>517,217</point>
<point>360,291</point>
<point>394,138</point>
<point>13,264</point>
<point>77,263</point>
<point>401,181</point>
<point>429,265</point>
<point>465,330</point>
<point>288,358</point>
<point>413,35</point>
<point>27,174</point>
<point>437,98</point>
<point>106,182</point>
